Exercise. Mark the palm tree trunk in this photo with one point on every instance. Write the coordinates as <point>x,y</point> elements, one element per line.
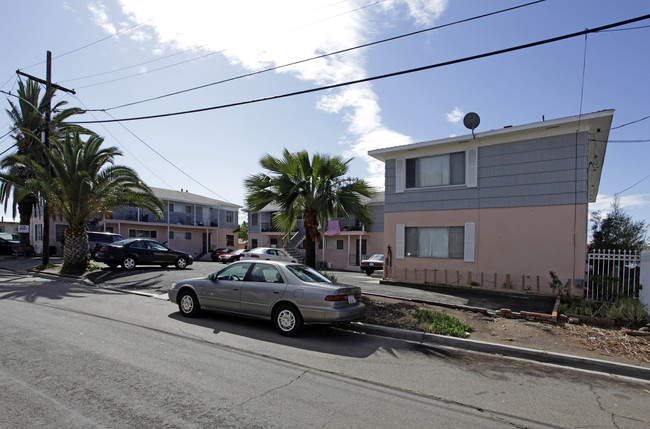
<point>311,228</point>
<point>75,249</point>
<point>46,234</point>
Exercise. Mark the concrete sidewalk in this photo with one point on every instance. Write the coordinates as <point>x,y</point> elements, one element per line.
<point>475,300</point>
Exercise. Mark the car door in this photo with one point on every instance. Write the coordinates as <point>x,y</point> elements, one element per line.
<point>142,252</point>
<point>224,291</point>
<point>160,254</point>
<point>261,289</point>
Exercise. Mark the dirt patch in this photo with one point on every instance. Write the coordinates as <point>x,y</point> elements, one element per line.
<point>579,340</point>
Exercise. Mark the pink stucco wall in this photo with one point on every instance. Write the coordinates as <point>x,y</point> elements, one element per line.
<point>344,259</point>
<point>521,242</point>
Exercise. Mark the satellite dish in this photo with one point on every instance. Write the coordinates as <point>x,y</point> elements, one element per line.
<point>471,121</point>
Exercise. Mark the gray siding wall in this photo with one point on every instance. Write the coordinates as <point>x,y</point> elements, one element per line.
<point>544,171</point>
<point>377,218</point>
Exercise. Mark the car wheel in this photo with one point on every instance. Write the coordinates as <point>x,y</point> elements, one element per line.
<point>188,304</point>
<point>181,263</point>
<point>128,263</point>
<point>287,320</point>
<point>368,272</point>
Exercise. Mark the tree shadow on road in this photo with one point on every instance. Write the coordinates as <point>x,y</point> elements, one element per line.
<point>32,289</point>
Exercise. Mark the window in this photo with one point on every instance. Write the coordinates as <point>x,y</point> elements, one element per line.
<point>254,219</point>
<point>438,170</point>
<point>435,242</point>
<point>230,216</point>
<point>234,272</point>
<point>179,235</point>
<point>188,209</point>
<point>230,240</point>
<point>38,232</point>
<point>143,233</point>
<point>254,243</point>
<point>59,230</point>
<point>265,273</point>
<point>333,245</point>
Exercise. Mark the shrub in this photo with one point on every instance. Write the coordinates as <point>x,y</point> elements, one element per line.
<point>440,323</point>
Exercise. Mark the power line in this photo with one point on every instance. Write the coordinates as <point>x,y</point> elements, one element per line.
<point>630,123</point>
<point>93,43</point>
<point>627,189</point>
<point>167,160</point>
<point>384,76</point>
<point>390,39</point>
<point>203,56</point>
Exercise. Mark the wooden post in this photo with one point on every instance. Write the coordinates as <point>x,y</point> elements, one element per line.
<point>508,284</point>
<point>523,282</point>
<point>495,280</point>
<point>537,283</point>
<point>469,278</point>
<point>435,276</point>
<point>482,279</point>
<point>569,290</point>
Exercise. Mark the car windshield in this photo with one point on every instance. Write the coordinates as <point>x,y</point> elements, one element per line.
<point>308,274</point>
<point>376,257</point>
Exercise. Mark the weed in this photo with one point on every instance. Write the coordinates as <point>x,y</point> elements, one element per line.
<point>440,323</point>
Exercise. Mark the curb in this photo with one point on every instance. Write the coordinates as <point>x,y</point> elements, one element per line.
<point>569,361</point>
<point>435,340</point>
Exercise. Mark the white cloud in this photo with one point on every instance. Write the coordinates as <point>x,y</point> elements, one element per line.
<point>100,18</point>
<point>604,202</point>
<point>455,115</point>
<point>258,34</point>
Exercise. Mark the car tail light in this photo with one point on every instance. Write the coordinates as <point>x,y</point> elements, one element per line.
<point>336,298</point>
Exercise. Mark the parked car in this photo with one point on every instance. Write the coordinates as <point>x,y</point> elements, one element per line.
<point>214,255</point>
<point>267,254</point>
<point>373,263</point>
<point>286,293</point>
<point>141,251</point>
<point>96,239</point>
<point>8,247</point>
<point>231,256</point>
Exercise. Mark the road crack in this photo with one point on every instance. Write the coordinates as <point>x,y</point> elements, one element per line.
<point>273,389</point>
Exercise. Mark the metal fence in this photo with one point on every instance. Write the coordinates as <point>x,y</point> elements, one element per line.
<point>613,274</point>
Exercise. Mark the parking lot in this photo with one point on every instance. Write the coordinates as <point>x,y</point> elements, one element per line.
<point>155,279</point>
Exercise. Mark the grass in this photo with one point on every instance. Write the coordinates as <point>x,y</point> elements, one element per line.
<point>440,323</point>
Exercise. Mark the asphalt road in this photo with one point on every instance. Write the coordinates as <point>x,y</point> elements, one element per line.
<point>80,356</point>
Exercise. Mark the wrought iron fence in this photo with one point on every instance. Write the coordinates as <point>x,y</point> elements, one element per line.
<point>613,274</point>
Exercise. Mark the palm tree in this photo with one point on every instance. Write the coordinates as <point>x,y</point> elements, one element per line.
<point>314,189</point>
<point>83,183</point>
<point>28,117</point>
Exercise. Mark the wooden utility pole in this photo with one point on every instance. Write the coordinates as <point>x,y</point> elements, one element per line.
<point>46,140</point>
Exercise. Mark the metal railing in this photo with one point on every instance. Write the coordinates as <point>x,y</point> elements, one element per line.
<point>613,274</point>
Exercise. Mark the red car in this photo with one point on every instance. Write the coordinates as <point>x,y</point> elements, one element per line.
<point>214,255</point>
<point>231,256</point>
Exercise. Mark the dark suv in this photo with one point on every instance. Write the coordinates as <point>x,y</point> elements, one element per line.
<point>98,238</point>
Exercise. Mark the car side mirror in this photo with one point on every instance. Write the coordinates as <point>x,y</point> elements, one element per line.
<point>213,277</point>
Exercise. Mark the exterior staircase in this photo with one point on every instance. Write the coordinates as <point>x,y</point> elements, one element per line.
<point>292,245</point>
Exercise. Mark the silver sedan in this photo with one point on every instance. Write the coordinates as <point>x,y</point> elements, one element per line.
<point>286,293</point>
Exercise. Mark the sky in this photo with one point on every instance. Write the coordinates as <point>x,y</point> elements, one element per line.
<point>124,58</point>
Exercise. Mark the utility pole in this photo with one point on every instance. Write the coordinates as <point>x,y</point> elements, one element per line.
<point>46,140</point>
